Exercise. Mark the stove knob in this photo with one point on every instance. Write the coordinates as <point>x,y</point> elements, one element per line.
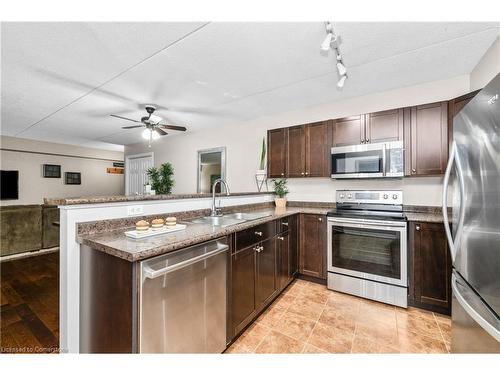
<point>349,196</point>
<point>341,195</point>
<point>386,196</point>
<point>394,196</point>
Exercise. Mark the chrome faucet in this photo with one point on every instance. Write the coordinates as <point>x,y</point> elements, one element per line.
<point>216,211</point>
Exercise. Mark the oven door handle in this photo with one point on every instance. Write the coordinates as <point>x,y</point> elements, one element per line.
<point>366,223</point>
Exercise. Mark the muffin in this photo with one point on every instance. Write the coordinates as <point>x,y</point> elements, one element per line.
<point>171,222</point>
<point>141,226</point>
<point>157,224</point>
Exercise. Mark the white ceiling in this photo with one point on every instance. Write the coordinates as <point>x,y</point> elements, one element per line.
<point>60,81</point>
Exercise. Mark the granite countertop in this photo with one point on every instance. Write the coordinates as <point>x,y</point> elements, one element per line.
<point>430,214</point>
<point>133,198</point>
<point>117,244</point>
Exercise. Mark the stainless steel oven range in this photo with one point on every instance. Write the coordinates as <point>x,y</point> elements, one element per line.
<point>367,246</point>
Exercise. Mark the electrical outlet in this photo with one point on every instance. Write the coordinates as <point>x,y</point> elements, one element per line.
<point>135,210</point>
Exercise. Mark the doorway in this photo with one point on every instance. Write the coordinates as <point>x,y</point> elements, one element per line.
<point>136,176</point>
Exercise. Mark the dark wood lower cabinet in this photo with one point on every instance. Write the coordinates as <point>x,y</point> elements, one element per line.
<point>261,271</point>
<point>242,286</point>
<point>429,267</point>
<point>265,272</point>
<point>312,250</point>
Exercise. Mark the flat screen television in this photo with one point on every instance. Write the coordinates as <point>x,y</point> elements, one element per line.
<point>9,181</point>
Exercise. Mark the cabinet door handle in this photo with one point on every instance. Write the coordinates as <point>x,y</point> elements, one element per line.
<point>302,173</point>
<point>362,141</point>
<point>417,227</point>
<point>367,141</point>
<point>285,224</point>
<point>307,173</point>
<point>258,234</point>
<point>320,219</point>
<point>282,174</point>
<point>281,238</point>
<point>413,170</point>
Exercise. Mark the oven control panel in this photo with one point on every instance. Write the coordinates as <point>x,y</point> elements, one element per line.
<point>369,196</point>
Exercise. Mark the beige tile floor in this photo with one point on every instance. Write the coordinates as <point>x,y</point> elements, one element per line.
<point>308,318</point>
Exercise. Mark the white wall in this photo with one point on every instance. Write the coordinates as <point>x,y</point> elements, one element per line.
<point>243,142</point>
<point>487,68</point>
<point>33,187</point>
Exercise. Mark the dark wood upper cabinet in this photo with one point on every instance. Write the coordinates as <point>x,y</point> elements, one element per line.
<point>317,150</point>
<point>296,151</point>
<point>384,126</point>
<point>348,130</point>
<point>455,106</point>
<point>426,143</point>
<point>430,267</point>
<point>305,148</point>
<point>277,152</point>
<point>312,251</point>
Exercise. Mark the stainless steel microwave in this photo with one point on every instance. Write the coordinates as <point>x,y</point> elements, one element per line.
<point>372,160</point>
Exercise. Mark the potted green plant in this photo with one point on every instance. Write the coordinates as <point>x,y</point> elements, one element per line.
<point>280,190</point>
<point>162,178</point>
<point>261,173</point>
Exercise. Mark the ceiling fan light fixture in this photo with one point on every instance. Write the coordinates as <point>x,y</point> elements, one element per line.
<point>155,135</point>
<point>146,133</point>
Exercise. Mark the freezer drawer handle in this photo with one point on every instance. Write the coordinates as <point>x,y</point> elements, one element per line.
<point>152,274</point>
<point>473,313</point>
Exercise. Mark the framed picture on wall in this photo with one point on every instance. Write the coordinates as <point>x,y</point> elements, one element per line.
<point>72,178</point>
<point>51,171</point>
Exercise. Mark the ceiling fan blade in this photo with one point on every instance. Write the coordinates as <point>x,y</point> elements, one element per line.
<point>124,118</point>
<point>160,132</point>
<point>132,127</point>
<point>173,127</point>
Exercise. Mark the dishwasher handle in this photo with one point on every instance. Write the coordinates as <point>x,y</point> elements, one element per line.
<point>152,274</point>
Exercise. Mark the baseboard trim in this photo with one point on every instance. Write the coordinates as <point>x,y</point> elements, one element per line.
<point>28,254</point>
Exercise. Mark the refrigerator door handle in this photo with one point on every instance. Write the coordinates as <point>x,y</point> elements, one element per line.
<point>451,242</point>
<point>487,326</point>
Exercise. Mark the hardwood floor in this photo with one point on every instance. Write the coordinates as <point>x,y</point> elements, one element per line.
<point>29,305</point>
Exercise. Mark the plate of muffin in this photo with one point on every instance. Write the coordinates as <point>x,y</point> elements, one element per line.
<point>157,226</point>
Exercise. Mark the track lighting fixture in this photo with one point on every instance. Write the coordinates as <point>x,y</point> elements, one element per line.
<point>332,41</point>
<point>341,81</point>
<point>341,68</point>
<point>325,46</point>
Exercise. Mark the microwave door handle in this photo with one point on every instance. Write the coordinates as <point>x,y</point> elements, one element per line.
<point>384,159</point>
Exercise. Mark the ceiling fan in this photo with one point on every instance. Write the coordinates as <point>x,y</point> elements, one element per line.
<point>153,128</point>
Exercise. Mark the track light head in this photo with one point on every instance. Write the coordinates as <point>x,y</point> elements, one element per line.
<point>325,46</point>
<point>341,68</point>
<point>341,81</point>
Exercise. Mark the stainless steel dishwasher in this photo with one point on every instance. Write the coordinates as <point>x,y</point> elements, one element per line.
<point>182,301</point>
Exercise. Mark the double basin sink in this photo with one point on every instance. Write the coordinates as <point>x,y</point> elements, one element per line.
<point>230,219</point>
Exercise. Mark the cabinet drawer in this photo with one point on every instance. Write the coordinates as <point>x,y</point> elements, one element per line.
<point>255,234</point>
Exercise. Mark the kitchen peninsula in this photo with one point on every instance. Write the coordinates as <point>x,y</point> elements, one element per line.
<point>94,232</point>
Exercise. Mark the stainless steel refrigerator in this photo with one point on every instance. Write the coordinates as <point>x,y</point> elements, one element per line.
<point>474,236</point>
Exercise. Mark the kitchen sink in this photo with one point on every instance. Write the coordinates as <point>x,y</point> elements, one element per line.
<point>229,219</point>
